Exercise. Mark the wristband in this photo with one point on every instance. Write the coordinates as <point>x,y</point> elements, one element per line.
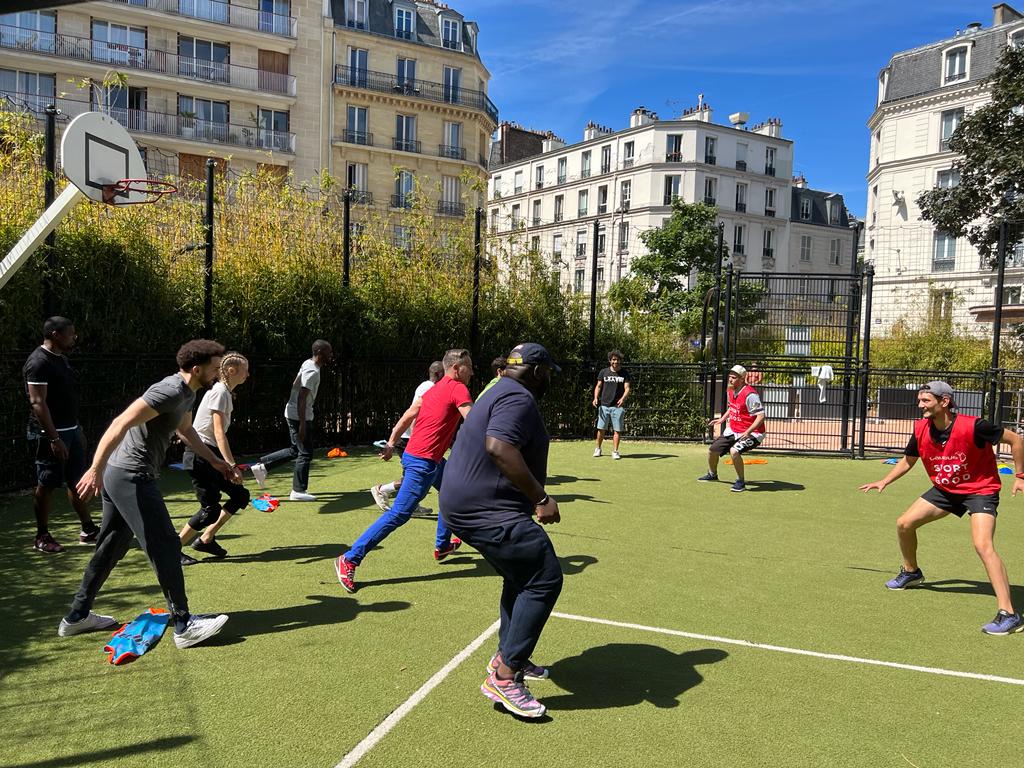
<point>543,501</point>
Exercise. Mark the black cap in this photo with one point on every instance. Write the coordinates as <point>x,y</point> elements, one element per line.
<point>531,354</point>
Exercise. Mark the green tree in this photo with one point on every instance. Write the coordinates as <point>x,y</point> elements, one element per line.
<point>990,142</point>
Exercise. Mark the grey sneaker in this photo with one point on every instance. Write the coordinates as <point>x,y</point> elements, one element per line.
<point>709,477</point>
<point>91,623</point>
<point>379,497</point>
<point>422,511</point>
<point>739,486</point>
<point>199,628</point>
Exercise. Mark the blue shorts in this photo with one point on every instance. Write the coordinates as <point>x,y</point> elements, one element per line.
<point>609,415</point>
<point>51,473</point>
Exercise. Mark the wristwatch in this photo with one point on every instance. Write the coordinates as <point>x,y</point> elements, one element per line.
<point>543,501</point>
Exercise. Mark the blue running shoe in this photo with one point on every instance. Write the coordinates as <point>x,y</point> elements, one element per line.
<point>905,579</point>
<point>739,486</point>
<point>1004,624</point>
<point>710,477</point>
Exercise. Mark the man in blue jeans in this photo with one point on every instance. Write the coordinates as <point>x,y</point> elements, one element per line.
<point>495,486</point>
<point>441,409</point>
<point>298,413</point>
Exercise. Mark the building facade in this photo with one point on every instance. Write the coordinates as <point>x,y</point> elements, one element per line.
<point>625,182</point>
<point>351,87</point>
<point>923,94</point>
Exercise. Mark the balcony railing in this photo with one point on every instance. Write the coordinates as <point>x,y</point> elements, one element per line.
<point>406,145</point>
<point>403,34</point>
<point>559,216</point>
<point>452,45</point>
<point>627,163</point>
<point>709,200</point>
<point>538,185</point>
<point>585,173</point>
<point>674,157</point>
<point>449,150</point>
<point>446,208</point>
<point>384,82</point>
<point>560,179</point>
<point>770,212</point>
<point>768,253</point>
<point>741,165</point>
<point>123,56</point>
<point>602,208</point>
<point>223,13</point>
<point>536,221</point>
<point>162,124</point>
<point>710,160</point>
<point>360,197</point>
<point>769,170</point>
<point>357,137</point>
<point>741,207</point>
<point>738,249</point>
<point>606,167</point>
<point>401,201</point>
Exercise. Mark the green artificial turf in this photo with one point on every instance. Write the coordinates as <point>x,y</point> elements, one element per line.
<point>303,671</point>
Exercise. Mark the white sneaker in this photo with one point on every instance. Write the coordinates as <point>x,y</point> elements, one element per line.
<point>597,452</point>
<point>301,496</point>
<point>260,473</point>
<point>379,497</point>
<point>199,628</point>
<point>616,455</point>
<point>91,623</point>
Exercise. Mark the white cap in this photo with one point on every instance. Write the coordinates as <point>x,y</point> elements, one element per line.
<point>739,370</point>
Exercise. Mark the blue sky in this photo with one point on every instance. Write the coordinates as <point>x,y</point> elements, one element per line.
<point>555,64</point>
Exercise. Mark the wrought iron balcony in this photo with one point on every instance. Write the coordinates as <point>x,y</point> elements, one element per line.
<point>768,253</point>
<point>406,145</point>
<point>384,82</point>
<point>606,167</point>
<point>741,207</point>
<point>559,216</point>
<point>585,173</point>
<point>770,212</point>
<point>223,13</point>
<point>741,165</point>
<point>709,200</point>
<point>360,197</point>
<point>402,201</point>
<point>403,34</point>
<point>123,56</point>
<point>536,221</point>
<point>448,150</point>
<point>769,170</point>
<point>674,157</point>
<point>627,163</point>
<point>447,208</point>
<point>357,137</point>
<point>710,160</point>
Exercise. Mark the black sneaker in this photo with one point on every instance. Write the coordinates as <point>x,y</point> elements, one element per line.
<point>211,548</point>
<point>88,537</point>
<point>710,477</point>
<point>188,559</point>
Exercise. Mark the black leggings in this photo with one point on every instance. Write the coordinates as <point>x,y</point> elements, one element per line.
<point>209,484</point>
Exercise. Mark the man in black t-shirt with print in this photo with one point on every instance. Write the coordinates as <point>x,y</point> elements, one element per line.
<point>610,394</point>
<point>54,430</point>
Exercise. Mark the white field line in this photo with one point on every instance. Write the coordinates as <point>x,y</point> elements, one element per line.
<point>795,651</point>
<point>395,717</point>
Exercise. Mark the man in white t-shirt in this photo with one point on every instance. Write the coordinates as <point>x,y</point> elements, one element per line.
<point>299,415</point>
<point>382,493</point>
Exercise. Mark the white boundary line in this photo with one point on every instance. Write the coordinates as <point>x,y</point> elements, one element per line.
<point>395,717</point>
<point>796,651</point>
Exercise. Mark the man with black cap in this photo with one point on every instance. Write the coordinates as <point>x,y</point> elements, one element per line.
<point>744,428</point>
<point>958,456</point>
<point>493,487</point>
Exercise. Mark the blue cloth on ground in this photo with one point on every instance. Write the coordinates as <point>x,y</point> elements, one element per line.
<point>134,639</point>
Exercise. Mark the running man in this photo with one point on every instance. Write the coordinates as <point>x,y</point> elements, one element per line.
<point>613,387</point>
<point>53,427</point>
<point>124,473</point>
<point>744,428</point>
<point>444,405</point>
<point>212,421</point>
<point>494,487</point>
<point>958,456</point>
<point>383,492</point>
<point>299,414</point>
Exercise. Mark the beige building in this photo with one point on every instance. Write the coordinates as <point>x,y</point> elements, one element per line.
<point>921,273</point>
<point>354,87</point>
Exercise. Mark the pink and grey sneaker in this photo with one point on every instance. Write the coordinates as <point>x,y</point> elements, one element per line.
<point>346,571</point>
<point>513,695</point>
<point>454,544</point>
<point>45,543</point>
<point>530,670</point>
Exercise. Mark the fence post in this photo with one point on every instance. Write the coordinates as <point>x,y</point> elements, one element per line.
<point>211,166</point>
<point>49,194</point>
<point>865,363</point>
<point>593,294</point>
<point>716,318</point>
<point>727,350</point>
<point>346,249</point>
<point>474,323</point>
<point>997,323</point>
<point>852,315</point>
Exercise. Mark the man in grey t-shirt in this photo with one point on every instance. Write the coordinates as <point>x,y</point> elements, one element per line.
<point>298,413</point>
<point>124,471</point>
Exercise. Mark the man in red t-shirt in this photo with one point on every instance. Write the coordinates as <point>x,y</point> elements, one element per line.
<point>744,428</point>
<point>958,456</point>
<point>441,409</point>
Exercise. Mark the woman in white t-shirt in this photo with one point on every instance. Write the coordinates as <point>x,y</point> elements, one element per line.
<point>211,422</point>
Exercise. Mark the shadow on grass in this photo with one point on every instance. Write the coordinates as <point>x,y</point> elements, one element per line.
<point>571,565</point>
<point>969,587</point>
<point>561,479</point>
<point>565,498</point>
<point>765,486</point>
<point>323,611</point>
<point>133,751</point>
<point>332,503</point>
<point>627,674</point>
<point>648,456</point>
<point>303,554</point>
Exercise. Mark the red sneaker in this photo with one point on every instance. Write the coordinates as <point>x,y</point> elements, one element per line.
<point>441,554</point>
<point>346,571</point>
<point>45,543</point>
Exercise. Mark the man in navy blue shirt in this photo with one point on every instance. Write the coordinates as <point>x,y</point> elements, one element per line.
<point>494,485</point>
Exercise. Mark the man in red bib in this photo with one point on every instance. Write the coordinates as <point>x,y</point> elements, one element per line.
<point>958,455</point>
<point>743,431</point>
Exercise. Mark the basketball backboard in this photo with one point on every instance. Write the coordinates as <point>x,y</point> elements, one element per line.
<point>96,153</point>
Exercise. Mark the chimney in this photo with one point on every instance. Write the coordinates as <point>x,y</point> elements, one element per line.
<point>1004,14</point>
<point>770,127</point>
<point>973,28</point>
<point>551,143</point>
<point>701,113</point>
<point>800,181</point>
<point>593,131</point>
<point>641,116</point>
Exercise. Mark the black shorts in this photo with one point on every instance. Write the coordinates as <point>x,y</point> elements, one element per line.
<point>51,473</point>
<point>722,445</point>
<point>958,503</point>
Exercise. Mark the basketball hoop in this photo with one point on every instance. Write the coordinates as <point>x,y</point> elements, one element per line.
<point>154,189</point>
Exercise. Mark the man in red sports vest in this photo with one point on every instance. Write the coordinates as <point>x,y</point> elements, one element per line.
<point>958,455</point>
<point>743,431</point>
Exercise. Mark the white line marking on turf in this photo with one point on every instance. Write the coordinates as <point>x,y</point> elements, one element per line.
<point>395,717</point>
<point>796,651</point>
